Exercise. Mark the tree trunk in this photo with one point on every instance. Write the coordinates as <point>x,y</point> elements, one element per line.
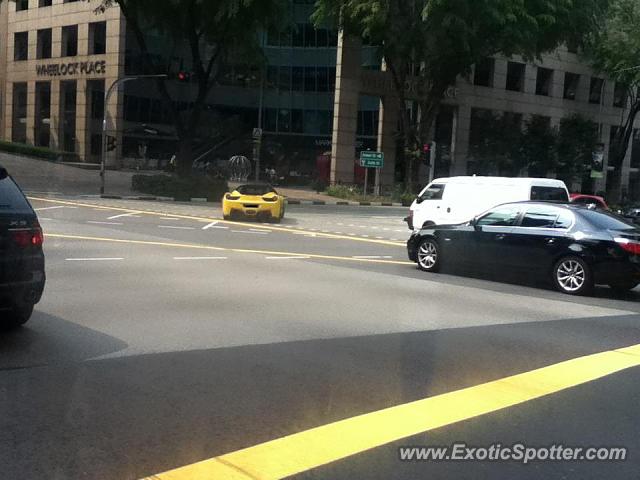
<point>624,136</point>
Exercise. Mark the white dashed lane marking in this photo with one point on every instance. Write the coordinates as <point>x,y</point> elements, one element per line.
<point>113,259</point>
<point>104,223</point>
<point>200,258</point>
<point>175,228</point>
<point>122,215</point>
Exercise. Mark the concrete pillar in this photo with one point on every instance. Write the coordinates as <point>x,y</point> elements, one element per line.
<point>345,115</point>
<point>81,119</point>
<point>115,58</point>
<point>387,138</point>
<point>500,74</point>
<point>460,140</point>
<point>530,78</point>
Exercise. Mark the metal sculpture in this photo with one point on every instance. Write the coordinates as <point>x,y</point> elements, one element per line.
<point>239,168</point>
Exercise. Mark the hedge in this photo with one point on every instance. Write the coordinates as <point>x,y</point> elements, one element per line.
<point>38,152</point>
<point>180,188</point>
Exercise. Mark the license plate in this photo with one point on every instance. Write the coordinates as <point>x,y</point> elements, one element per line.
<point>250,212</point>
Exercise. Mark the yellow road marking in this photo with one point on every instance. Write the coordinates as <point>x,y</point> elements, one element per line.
<point>211,219</point>
<point>319,446</point>
<point>222,249</point>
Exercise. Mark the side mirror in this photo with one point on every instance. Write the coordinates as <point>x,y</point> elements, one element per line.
<point>474,223</point>
<point>3,173</point>
<point>419,200</point>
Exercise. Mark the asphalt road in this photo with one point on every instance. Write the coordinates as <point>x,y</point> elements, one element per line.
<point>167,336</point>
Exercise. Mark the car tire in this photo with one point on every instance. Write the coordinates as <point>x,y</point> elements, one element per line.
<point>226,217</point>
<point>429,256</point>
<point>624,287</point>
<point>428,224</point>
<point>572,275</point>
<point>17,316</point>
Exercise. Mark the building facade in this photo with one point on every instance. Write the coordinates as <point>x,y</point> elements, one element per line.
<point>321,96</point>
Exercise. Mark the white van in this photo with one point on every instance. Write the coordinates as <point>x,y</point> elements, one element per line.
<point>447,201</point>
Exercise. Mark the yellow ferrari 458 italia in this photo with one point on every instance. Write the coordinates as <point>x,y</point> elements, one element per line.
<point>253,201</point>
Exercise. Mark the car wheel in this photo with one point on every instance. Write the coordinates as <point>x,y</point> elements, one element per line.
<point>17,316</point>
<point>226,217</point>
<point>429,256</point>
<point>573,276</point>
<point>622,287</point>
<point>428,224</point>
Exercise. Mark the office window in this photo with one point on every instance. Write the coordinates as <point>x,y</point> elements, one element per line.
<point>322,37</point>
<point>297,121</point>
<point>322,80</point>
<point>595,90</point>
<point>284,82</point>
<point>20,46</point>
<point>22,5</point>
<point>483,74</point>
<point>515,76</point>
<point>544,81</point>
<point>332,79</point>
<point>272,76</point>
<point>42,114</point>
<point>284,120</point>
<point>19,113</point>
<point>97,38</point>
<point>571,82</point>
<point>309,36</point>
<point>70,41</point>
<point>298,35</point>
<point>96,144</point>
<point>43,49</point>
<point>297,79</point>
<point>95,92</point>
<point>310,79</point>
<point>44,3</point>
<point>270,119</point>
<point>620,95</point>
<point>68,114</point>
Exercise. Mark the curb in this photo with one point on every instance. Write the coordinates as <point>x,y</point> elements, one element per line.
<point>289,201</point>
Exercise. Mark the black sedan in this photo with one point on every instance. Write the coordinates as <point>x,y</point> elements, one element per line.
<point>22,275</point>
<point>573,246</point>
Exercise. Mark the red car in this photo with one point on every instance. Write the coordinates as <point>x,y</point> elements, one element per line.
<point>589,200</point>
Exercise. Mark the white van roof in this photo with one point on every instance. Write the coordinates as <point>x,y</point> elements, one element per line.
<point>542,182</point>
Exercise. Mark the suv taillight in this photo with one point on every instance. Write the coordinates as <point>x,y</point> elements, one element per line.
<point>27,237</point>
<point>629,245</point>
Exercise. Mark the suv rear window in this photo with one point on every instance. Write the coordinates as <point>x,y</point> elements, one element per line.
<point>549,194</point>
<point>255,189</point>
<point>11,198</point>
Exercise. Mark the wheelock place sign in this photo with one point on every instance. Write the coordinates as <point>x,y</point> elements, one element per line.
<point>73,68</point>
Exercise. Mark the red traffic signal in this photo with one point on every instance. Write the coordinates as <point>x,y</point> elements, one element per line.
<point>184,76</point>
<point>426,148</point>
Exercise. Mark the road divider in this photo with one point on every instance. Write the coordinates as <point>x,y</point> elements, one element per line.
<point>110,259</point>
<point>313,448</point>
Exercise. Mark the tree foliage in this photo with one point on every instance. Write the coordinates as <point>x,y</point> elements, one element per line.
<point>445,38</point>
<point>614,50</point>
<point>208,34</point>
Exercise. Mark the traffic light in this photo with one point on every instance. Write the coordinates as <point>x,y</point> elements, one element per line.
<point>183,76</point>
<point>112,143</point>
<point>428,153</point>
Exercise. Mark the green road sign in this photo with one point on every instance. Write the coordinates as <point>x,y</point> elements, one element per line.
<point>371,159</point>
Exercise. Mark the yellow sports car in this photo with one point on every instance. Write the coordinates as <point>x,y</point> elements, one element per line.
<point>253,201</point>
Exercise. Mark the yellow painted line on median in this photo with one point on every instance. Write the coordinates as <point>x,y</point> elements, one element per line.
<point>222,221</point>
<point>222,249</point>
<point>319,446</point>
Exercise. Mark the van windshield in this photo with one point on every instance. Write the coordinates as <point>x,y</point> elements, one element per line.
<point>549,194</point>
<point>433,192</point>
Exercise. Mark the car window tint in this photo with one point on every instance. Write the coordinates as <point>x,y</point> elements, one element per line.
<point>434,192</point>
<point>564,220</point>
<point>539,217</point>
<point>606,221</point>
<point>255,189</point>
<point>549,194</point>
<point>505,216</point>
<point>11,198</point>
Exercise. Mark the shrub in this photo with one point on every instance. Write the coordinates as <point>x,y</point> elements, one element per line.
<point>180,188</point>
<point>38,152</point>
<point>344,191</point>
<point>407,199</point>
<point>319,185</point>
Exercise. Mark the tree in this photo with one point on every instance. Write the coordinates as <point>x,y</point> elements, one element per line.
<point>538,147</point>
<point>494,142</point>
<point>615,51</point>
<point>211,34</point>
<point>443,39</point>
<point>576,141</point>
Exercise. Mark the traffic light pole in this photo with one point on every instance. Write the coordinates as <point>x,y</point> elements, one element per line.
<point>107,97</point>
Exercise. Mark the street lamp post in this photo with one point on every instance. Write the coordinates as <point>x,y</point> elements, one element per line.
<point>107,96</point>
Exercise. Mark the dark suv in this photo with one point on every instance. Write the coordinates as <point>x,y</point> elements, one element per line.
<point>22,274</point>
